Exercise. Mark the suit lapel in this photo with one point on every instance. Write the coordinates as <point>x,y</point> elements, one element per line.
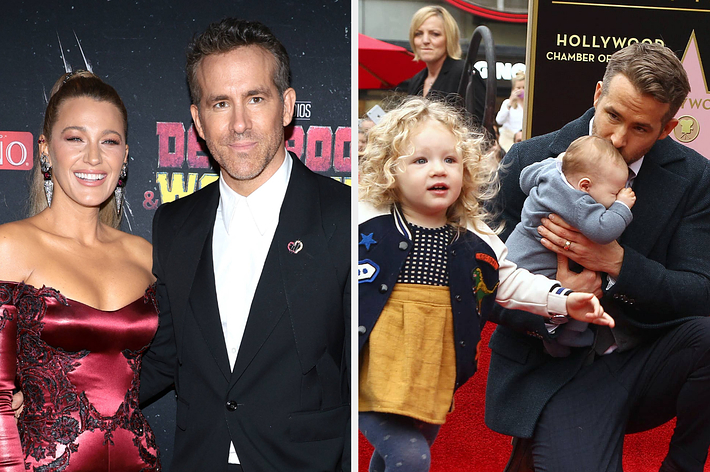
<point>203,302</point>
<point>442,78</point>
<point>417,83</point>
<point>570,132</point>
<point>651,204</point>
<point>190,234</point>
<point>193,272</point>
<point>281,286</point>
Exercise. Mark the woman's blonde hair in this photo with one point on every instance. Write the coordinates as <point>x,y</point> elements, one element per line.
<point>74,85</point>
<point>389,142</point>
<point>451,29</point>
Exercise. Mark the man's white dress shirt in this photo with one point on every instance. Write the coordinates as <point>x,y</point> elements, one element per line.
<point>243,231</point>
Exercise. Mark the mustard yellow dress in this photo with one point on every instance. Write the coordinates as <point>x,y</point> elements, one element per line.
<point>408,366</point>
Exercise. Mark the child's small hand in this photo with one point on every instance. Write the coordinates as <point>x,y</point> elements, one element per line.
<point>516,98</point>
<point>627,196</point>
<point>586,307</point>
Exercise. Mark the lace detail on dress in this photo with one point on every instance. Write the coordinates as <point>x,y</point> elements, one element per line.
<point>151,295</point>
<point>5,298</point>
<point>56,412</point>
<point>5,316</point>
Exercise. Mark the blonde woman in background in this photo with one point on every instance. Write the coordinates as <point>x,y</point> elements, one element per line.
<point>434,38</point>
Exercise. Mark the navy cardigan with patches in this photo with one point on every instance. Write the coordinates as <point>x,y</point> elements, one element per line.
<point>479,275</point>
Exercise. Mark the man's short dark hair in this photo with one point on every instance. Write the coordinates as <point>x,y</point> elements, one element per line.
<point>654,70</point>
<point>224,36</point>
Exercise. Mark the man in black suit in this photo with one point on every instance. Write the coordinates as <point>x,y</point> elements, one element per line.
<point>655,282</point>
<point>253,278</point>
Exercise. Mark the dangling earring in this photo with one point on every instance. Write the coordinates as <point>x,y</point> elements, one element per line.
<point>118,192</point>
<point>47,172</point>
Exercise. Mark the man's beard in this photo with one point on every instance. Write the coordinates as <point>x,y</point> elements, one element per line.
<point>256,160</point>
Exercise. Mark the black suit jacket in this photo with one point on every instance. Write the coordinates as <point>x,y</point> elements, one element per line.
<point>285,405</point>
<point>446,86</point>
<point>664,279</point>
<point>446,82</point>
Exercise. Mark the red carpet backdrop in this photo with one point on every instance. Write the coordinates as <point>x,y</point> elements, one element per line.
<point>466,445</point>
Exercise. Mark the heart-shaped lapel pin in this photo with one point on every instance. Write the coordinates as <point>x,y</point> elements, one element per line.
<point>295,246</point>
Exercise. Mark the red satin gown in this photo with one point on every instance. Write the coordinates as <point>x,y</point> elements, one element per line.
<point>79,370</point>
<point>10,451</point>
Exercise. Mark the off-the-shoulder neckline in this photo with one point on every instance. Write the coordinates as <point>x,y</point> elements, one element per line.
<point>44,287</point>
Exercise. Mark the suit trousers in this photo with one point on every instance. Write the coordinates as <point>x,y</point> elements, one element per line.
<point>582,427</point>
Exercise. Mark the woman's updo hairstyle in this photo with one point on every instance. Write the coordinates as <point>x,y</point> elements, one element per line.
<point>80,83</point>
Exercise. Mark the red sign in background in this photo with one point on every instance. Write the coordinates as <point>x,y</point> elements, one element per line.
<point>16,149</point>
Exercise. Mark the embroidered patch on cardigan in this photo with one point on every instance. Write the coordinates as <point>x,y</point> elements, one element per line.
<point>480,289</point>
<point>367,271</point>
<point>487,259</point>
<point>367,240</point>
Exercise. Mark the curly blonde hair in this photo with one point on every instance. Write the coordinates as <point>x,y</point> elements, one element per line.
<point>389,142</point>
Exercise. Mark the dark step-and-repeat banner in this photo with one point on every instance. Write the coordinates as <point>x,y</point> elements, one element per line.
<point>139,48</point>
<point>569,44</point>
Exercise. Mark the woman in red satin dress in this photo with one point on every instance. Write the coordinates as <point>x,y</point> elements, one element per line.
<point>80,295</point>
<point>10,457</point>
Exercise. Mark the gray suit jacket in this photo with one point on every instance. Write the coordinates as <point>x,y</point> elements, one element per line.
<point>664,279</point>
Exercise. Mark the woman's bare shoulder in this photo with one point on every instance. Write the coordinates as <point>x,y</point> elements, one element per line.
<point>137,249</point>
<point>19,242</point>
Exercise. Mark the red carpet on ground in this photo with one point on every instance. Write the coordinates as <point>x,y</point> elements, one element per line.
<point>466,445</point>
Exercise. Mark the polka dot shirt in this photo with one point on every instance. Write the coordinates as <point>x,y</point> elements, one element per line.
<point>426,263</point>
